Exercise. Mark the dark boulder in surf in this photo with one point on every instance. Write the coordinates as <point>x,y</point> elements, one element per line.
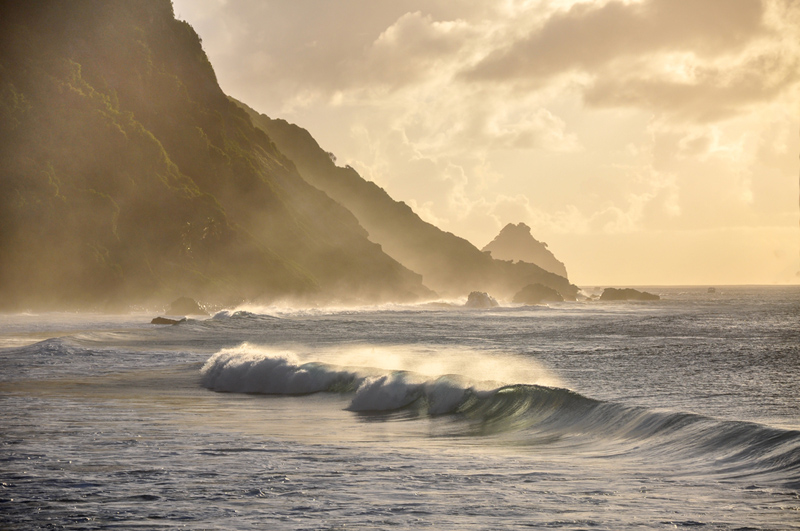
<point>627,294</point>
<point>537,294</point>
<point>480,299</point>
<point>166,321</point>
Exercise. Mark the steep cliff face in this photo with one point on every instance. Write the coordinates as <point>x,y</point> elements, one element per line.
<point>126,174</point>
<point>449,265</point>
<point>515,242</point>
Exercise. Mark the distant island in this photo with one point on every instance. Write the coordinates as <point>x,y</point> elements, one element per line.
<point>127,177</point>
<point>627,294</point>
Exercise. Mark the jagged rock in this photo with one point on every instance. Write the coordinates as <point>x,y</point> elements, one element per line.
<point>166,321</point>
<point>480,299</point>
<point>185,306</point>
<point>515,242</point>
<point>627,294</point>
<point>537,294</point>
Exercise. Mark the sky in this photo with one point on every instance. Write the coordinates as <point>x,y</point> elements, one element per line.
<point>647,142</point>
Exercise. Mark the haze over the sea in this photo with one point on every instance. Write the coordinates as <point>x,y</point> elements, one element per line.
<point>647,142</point>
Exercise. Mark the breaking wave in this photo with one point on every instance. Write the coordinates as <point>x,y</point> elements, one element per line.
<point>244,370</point>
<point>532,413</point>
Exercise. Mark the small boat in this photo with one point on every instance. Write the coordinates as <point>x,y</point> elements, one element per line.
<point>712,290</point>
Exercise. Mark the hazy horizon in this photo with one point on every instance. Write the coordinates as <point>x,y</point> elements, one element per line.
<point>647,142</point>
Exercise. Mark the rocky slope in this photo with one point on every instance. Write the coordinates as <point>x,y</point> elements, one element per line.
<point>450,265</point>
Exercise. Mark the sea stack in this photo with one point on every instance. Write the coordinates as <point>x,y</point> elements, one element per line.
<point>516,243</point>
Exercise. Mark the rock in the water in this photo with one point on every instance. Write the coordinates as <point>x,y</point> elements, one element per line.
<point>537,294</point>
<point>185,306</point>
<point>166,321</point>
<point>479,299</point>
<point>627,294</point>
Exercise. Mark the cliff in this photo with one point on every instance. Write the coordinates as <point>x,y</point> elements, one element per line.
<point>127,176</point>
<point>450,265</point>
<point>515,242</point>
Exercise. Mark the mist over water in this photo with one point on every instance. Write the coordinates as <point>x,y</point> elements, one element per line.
<point>679,412</point>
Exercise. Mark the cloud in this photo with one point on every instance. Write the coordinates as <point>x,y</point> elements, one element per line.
<point>528,128</point>
<point>708,93</point>
<point>407,50</point>
<point>587,36</point>
<point>691,60</point>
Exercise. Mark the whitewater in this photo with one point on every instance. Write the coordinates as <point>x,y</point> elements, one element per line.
<point>678,413</point>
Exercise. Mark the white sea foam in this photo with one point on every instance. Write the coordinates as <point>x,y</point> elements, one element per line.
<point>446,393</point>
<point>387,392</point>
<point>400,389</point>
<point>249,369</point>
<point>288,309</point>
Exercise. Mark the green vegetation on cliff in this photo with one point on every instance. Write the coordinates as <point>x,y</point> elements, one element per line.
<point>127,176</point>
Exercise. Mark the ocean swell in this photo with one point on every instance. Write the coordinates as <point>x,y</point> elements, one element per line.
<point>532,413</point>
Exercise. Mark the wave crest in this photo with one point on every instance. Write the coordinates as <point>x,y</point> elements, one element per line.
<point>250,369</point>
<point>532,413</point>
<point>244,369</point>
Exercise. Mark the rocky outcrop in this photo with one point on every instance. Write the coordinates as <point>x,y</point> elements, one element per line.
<point>166,321</point>
<point>627,294</point>
<point>516,243</point>
<point>479,299</point>
<point>537,294</point>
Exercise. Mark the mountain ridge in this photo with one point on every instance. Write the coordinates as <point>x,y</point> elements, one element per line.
<point>449,265</point>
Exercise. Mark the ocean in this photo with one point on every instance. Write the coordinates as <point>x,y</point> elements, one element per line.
<point>678,413</point>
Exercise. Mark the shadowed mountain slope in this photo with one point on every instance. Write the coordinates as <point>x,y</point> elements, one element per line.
<point>450,265</point>
<point>127,176</point>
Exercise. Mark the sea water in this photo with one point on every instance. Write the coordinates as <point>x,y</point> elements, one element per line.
<point>677,413</point>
